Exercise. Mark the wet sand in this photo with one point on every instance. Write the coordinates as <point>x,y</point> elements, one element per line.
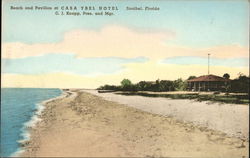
<point>84,125</point>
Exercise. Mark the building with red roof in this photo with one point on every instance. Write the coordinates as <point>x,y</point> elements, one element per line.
<point>208,83</point>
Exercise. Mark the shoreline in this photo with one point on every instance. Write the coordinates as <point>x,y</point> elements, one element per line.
<point>78,116</point>
<point>31,130</point>
<point>232,119</point>
<point>31,124</point>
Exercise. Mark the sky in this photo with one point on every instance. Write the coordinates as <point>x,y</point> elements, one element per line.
<point>44,50</point>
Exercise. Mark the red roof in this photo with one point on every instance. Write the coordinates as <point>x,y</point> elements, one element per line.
<point>209,78</point>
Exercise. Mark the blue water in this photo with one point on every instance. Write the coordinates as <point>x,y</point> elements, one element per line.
<point>18,106</point>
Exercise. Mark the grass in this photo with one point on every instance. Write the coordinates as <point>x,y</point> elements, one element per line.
<point>233,99</point>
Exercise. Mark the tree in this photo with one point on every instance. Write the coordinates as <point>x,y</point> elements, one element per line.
<point>157,85</point>
<point>108,87</point>
<point>179,84</point>
<point>226,76</point>
<point>142,85</point>
<point>241,84</point>
<point>191,77</point>
<point>166,85</point>
<point>126,82</point>
<point>127,85</point>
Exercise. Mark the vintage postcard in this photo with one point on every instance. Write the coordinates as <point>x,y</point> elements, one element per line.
<point>125,78</point>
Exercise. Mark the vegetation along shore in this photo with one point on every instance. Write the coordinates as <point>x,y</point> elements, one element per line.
<point>236,92</point>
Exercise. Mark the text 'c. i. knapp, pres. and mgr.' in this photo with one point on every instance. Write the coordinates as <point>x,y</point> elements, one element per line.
<point>81,10</point>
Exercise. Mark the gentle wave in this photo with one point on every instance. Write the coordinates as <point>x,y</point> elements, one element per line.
<point>24,132</point>
<point>33,122</point>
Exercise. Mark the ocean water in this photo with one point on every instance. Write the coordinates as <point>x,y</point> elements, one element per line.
<point>19,110</point>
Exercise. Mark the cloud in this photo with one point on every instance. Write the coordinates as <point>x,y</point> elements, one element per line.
<point>54,63</point>
<point>118,41</point>
<point>88,59</point>
<point>189,60</point>
<point>134,71</point>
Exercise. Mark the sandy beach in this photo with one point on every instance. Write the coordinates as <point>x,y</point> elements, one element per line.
<point>82,124</point>
<point>232,119</point>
